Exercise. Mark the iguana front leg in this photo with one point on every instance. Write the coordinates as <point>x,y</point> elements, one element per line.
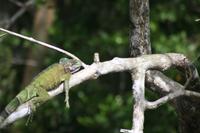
<point>66,88</point>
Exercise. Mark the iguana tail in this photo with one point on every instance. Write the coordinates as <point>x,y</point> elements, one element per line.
<point>10,108</point>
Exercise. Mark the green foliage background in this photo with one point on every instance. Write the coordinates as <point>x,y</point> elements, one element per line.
<point>85,27</point>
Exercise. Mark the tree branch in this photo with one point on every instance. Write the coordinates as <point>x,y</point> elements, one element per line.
<point>160,83</point>
<point>43,44</point>
<point>16,2</point>
<point>138,78</point>
<point>20,12</point>
<point>179,92</point>
<point>171,96</point>
<point>143,63</point>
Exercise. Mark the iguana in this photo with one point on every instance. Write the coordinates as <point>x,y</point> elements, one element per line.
<point>37,91</point>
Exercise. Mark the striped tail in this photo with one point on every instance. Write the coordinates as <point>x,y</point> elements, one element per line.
<point>9,109</point>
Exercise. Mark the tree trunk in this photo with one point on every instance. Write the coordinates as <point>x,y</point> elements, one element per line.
<point>139,45</point>
<point>187,108</point>
<point>139,30</point>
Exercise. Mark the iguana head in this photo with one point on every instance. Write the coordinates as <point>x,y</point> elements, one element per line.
<point>71,65</point>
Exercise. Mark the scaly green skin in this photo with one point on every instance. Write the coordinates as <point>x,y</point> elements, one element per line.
<point>37,91</point>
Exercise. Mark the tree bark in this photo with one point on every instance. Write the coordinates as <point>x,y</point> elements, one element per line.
<point>139,45</point>
<point>187,108</point>
<point>139,30</point>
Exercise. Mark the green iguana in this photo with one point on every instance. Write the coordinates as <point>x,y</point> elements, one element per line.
<point>37,91</point>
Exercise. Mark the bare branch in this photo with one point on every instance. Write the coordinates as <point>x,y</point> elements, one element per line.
<point>43,44</point>
<point>16,2</point>
<point>171,96</point>
<point>146,62</point>
<point>160,83</point>
<point>96,58</point>
<point>197,20</point>
<point>2,35</point>
<point>138,77</point>
<point>20,12</point>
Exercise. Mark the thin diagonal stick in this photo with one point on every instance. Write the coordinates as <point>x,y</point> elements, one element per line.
<point>2,35</point>
<point>197,20</point>
<point>19,13</point>
<point>43,44</point>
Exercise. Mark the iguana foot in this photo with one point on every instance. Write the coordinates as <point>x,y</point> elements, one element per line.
<point>32,107</point>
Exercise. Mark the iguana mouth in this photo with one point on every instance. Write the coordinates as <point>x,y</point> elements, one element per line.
<point>74,70</point>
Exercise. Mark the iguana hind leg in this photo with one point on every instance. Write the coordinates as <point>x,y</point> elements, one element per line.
<point>42,96</point>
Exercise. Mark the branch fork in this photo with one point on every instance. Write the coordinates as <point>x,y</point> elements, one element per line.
<point>140,65</point>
